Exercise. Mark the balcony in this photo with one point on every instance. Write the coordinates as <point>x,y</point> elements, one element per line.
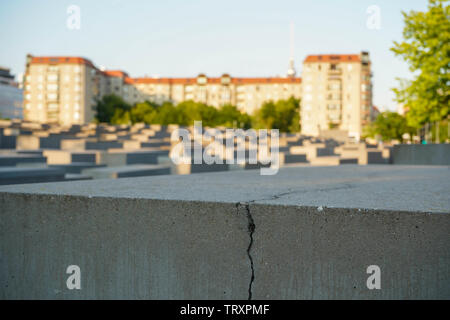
<point>335,72</point>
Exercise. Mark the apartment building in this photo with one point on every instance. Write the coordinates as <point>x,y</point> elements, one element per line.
<point>247,94</point>
<point>61,89</point>
<point>336,93</point>
<point>65,89</point>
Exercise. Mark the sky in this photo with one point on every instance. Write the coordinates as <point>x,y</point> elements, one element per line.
<point>182,38</point>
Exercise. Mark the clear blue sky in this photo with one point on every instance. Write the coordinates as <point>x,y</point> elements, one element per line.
<point>185,37</point>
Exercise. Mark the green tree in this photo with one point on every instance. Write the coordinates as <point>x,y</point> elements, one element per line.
<point>107,106</point>
<point>121,116</point>
<point>169,114</point>
<point>426,48</point>
<point>146,112</point>
<point>230,116</point>
<point>390,126</point>
<point>283,115</point>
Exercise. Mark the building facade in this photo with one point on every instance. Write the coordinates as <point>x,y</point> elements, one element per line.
<point>337,93</point>
<point>65,89</point>
<point>11,96</point>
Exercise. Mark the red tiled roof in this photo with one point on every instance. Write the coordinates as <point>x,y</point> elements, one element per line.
<point>61,60</point>
<point>187,81</point>
<point>116,73</point>
<point>333,58</point>
<point>265,80</point>
<point>183,81</point>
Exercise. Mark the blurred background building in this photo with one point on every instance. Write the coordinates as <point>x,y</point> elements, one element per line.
<point>337,93</point>
<point>11,96</point>
<point>65,89</point>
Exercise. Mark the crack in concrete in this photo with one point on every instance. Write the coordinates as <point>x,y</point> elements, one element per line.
<point>251,223</point>
<point>280,195</point>
<point>251,229</point>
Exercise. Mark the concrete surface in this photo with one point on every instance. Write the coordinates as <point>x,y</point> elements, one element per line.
<point>307,232</point>
<point>135,170</point>
<point>14,159</point>
<point>16,175</point>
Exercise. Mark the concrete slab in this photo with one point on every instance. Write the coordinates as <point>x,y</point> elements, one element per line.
<point>67,157</point>
<point>416,154</point>
<point>122,158</point>
<point>127,171</point>
<point>311,232</point>
<point>14,175</point>
<point>14,159</point>
<point>76,167</point>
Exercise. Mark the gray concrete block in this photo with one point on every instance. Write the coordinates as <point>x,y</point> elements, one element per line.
<point>14,175</point>
<point>122,158</point>
<point>127,171</point>
<point>8,142</point>
<point>418,154</point>
<point>14,159</point>
<point>315,231</point>
<point>126,248</point>
<point>67,157</point>
<point>76,167</point>
<point>199,168</point>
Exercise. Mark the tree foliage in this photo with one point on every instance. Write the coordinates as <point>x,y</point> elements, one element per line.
<point>283,114</point>
<point>389,126</point>
<point>426,48</point>
<point>111,108</point>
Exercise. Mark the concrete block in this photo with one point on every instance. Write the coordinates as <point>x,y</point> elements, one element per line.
<point>121,158</point>
<point>14,175</point>
<point>127,171</point>
<point>417,154</point>
<point>304,233</point>
<point>76,167</point>
<point>14,159</point>
<point>67,157</point>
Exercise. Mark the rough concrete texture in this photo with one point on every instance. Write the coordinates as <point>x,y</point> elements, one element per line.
<point>307,232</point>
<point>417,154</point>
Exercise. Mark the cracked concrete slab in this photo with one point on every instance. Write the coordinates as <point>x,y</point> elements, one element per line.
<point>307,232</point>
<point>407,188</point>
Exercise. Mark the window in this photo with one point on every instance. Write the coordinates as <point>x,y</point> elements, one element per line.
<point>52,87</point>
<point>52,96</point>
<point>52,107</point>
